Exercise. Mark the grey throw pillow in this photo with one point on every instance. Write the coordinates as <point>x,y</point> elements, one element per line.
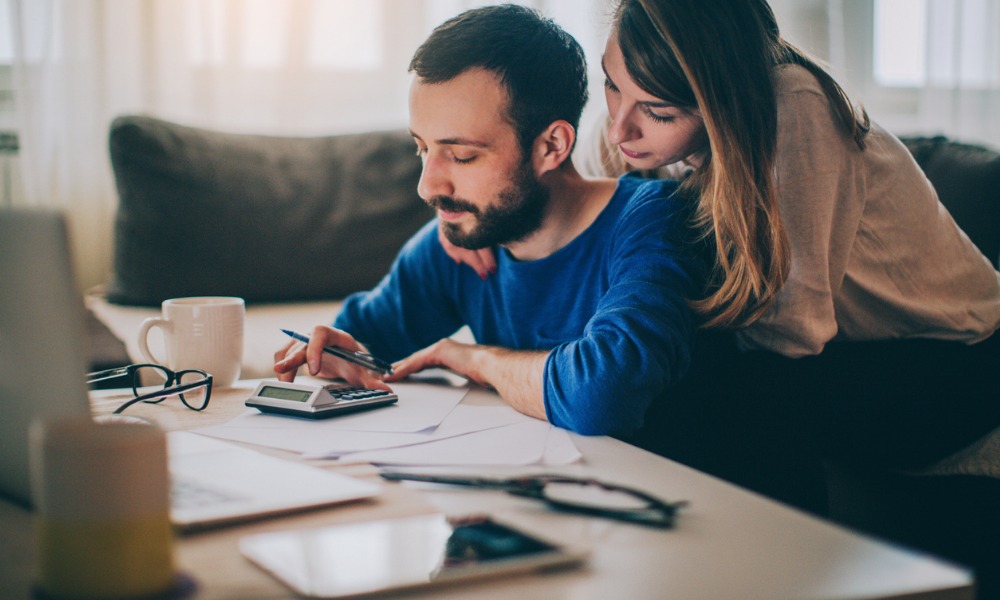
<point>265,218</point>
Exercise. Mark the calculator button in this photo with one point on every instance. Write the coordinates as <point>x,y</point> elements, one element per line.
<point>342,393</point>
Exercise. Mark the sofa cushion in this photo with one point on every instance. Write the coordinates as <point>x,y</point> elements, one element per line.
<point>269,219</point>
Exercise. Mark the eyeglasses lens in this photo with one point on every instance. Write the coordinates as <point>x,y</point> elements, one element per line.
<point>195,398</point>
<point>150,376</point>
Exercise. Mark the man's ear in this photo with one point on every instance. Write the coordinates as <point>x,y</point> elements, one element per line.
<point>553,147</point>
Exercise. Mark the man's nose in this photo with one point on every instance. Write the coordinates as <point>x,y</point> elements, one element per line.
<point>434,180</point>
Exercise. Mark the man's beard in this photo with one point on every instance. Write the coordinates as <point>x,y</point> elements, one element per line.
<point>518,214</point>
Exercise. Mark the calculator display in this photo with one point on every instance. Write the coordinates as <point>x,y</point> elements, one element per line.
<point>282,393</point>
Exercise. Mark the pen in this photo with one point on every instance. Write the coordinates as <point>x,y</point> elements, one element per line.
<point>359,358</point>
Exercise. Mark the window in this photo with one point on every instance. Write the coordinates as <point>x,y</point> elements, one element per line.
<point>337,34</point>
<point>900,32</point>
<point>9,176</point>
<point>6,73</point>
<point>922,67</point>
<point>920,43</point>
<point>6,28</point>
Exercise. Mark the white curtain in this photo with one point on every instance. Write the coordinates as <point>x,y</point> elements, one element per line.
<point>922,67</point>
<point>962,91</point>
<point>294,67</point>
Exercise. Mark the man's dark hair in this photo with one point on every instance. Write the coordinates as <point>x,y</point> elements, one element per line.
<point>541,66</point>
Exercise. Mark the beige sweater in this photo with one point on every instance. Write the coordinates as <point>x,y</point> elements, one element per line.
<point>874,253</point>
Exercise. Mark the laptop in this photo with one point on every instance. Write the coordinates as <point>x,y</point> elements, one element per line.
<point>42,370</point>
<point>41,337</point>
<point>213,482</point>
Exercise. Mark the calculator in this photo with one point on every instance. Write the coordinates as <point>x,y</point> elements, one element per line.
<point>316,401</point>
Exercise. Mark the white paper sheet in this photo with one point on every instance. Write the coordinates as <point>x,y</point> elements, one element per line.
<point>560,449</point>
<point>518,444</point>
<point>462,421</point>
<point>421,406</point>
<point>322,439</point>
<point>470,434</point>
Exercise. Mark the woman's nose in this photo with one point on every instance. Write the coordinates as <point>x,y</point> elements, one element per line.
<point>622,128</point>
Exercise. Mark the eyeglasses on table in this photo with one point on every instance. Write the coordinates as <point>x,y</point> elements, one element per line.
<point>572,494</point>
<point>192,386</point>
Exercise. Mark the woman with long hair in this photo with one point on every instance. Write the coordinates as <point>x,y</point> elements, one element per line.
<point>868,316</point>
<point>865,319</point>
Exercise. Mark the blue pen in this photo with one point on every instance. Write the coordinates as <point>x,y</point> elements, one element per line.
<point>359,358</point>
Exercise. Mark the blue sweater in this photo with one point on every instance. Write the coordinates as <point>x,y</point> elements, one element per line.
<point>610,307</point>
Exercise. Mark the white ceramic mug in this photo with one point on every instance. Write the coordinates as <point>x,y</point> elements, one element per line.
<point>200,333</point>
<point>101,494</point>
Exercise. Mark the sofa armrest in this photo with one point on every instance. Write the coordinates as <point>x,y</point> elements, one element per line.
<point>104,349</point>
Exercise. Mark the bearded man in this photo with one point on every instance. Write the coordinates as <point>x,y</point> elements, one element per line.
<point>585,322</point>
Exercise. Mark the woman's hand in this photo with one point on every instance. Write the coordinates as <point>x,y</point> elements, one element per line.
<point>481,261</point>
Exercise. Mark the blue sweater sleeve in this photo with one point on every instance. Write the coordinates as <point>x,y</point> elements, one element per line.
<point>638,342</point>
<point>412,306</point>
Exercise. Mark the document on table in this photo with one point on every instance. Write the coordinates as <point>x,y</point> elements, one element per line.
<point>524,443</point>
<point>427,426</point>
<point>421,406</point>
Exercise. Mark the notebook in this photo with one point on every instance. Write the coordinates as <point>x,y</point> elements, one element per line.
<point>215,482</point>
<point>42,376</point>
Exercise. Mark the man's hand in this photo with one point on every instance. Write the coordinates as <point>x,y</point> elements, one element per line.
<point>481,261</point>
<point>447,354</point>
<point>293,355</point>
<point>515,374</point>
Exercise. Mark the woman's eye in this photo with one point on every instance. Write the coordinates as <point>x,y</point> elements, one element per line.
<point>463,161</point>
<point>421,152</point>
<point>659,118</point>
<point>609,85</point>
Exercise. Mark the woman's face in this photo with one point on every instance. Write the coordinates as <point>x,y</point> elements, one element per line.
<point>648,132</point>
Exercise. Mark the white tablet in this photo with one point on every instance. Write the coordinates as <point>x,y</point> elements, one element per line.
<point>372,557</point>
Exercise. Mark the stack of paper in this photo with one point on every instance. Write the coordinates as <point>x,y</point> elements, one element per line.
<point>429,425</point>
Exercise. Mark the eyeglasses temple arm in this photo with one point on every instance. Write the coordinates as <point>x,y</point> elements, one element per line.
<point>106,374</point>
<point>163,394</point>
<point>480,482</point>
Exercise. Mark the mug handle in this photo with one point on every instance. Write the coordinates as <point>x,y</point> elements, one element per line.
<point>148,324</point>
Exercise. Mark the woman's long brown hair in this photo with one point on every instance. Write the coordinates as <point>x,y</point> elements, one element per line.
<point>719,57</point>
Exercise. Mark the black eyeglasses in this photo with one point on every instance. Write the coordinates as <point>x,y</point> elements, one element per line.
<point>192,386</point>
<point>588,496</point>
